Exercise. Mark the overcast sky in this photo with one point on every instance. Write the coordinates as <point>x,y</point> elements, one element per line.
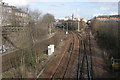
<point>63,8</point>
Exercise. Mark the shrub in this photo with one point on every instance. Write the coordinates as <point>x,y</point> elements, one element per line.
<point>106,33</point>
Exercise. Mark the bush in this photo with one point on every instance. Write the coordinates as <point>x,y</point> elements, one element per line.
<point>106,33</point>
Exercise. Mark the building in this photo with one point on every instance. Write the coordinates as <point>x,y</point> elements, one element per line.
<point>108,17</point>
<point>13,24</point>
<point>67,18</point>
<point>12,16</point>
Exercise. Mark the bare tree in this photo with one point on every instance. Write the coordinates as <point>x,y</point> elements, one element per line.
<point>47,20</point>
<point>35,15</point>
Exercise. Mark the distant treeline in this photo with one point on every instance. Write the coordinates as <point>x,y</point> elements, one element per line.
<point>73,25</point>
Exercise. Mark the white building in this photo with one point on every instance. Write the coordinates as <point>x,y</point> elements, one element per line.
<point>67,18</point>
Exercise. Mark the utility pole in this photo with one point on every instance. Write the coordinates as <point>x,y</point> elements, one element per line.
<point>72,16</point>
<point>50,29</point>
<point>67,26</point>
<point>78,26</point>
<point>63,28</point>
<point>72,19</point>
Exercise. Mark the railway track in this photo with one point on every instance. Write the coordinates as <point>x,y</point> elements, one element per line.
<point>77,56</point>
<point>79,49</point>
<point>62,69</point>
<point>84,58</point>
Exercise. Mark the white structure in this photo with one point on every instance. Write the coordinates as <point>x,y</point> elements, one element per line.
<point>3,48</point>
<point>66,32</point>
<point>50,49</point>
